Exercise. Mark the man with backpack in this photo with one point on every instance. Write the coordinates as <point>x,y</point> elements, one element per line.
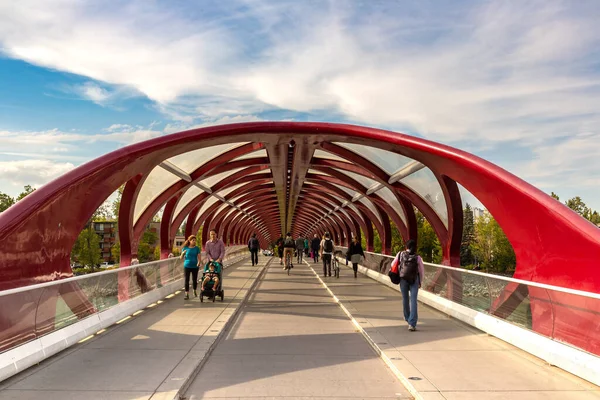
<point>254,246</point>
<point>411,271</point>
<point>327,249</point>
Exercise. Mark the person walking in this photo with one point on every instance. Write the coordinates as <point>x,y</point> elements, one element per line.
<point>315,246</point>
<point>190,253</point>
<point>299,249</point>
<point>411,270</point>
<point>280,249</point>
<point>327,249</point>
<point>306,246</point>
<point>214,248</point>
<point>253,246</point>
<point>354,253</point>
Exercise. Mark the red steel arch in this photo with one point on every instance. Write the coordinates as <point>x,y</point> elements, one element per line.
<point>36,234</point>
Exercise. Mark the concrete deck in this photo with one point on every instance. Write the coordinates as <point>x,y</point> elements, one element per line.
<point>288,339</point>
<point>291,341</point>
<point>447,359</point>
<point>149,355</point>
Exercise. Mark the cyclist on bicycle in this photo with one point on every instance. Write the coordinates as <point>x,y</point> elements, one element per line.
<point>288,248</point>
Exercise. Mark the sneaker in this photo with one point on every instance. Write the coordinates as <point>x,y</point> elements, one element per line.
<point>187,297</point>
<point>411,328</point>
<point>195,294</point>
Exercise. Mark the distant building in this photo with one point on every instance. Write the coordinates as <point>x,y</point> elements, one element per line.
<point>478,213</point>
<point>178,242</point>
<point>107,230</point>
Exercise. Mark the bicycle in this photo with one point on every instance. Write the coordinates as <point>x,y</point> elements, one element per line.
<point>335,266</point>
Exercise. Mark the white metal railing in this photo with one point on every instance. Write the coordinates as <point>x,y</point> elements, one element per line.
<point>82,296</point>
<point>558,313</point>
<point>505,278</point>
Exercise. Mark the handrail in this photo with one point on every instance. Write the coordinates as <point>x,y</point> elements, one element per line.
<point>77,278</point>
<point>87,276</point>
<point>507,279</point>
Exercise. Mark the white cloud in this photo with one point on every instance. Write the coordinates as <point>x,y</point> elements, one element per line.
<point>485,72</point>
<point>178,127</point>
<point>32,172</point>
<point>496,71</point>
<point>94,93</point>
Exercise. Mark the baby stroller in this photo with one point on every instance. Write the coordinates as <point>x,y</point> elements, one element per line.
<point>210,290</point>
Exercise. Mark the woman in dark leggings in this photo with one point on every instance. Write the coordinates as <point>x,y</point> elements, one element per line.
<point>191,254</point>
<point>355,250</point>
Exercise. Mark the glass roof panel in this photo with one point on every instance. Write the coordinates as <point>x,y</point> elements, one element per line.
<point>157,181</point>
<point>423,183</point>
<point>363,180</point>
<point>207,203</point>
<point>191,160</point>
<point>324,154</point>
<point>389,161</point>
<point>265,172</point>
<point>188,196</point>
<point>255,154</point>
<point>370,206</point>
<point>353,208</point>
<point>211,180</point>
<point>316,171</point>
<point>387,195</point>
<point>349,191</point>
<point>222,208</point>
<point>226,191</point>
<point>229,213</point>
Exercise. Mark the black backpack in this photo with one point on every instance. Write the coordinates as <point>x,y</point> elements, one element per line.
<point>289,243</point>
<point>409,267</point>
<point>254,243</point>
<point>328,246</point>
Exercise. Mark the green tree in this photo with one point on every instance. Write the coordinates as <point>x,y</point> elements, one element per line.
<point>157,253</point>
<point>468,237</point>
<point>86,249</point>
<point>577,205</point>
<point>5,201</point>
<point>483,248</point>
<point>555,196</point>
<point>147,245</point>
<point>397,242</point>
<point>116,204</point>
<point>27,191</point>
<point>377,244</point>
<point>595,217</point>
<point>428,244</point>
<point>492,248</point>
<point>116,252</point>
<point>103,213</point>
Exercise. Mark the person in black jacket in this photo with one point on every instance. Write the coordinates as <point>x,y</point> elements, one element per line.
<point>254,246</point>
<point>315,246</point>
<point>280,249</point>
<point>355,250</point>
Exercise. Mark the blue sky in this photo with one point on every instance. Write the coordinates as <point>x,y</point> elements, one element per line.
<point>517,83</point>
